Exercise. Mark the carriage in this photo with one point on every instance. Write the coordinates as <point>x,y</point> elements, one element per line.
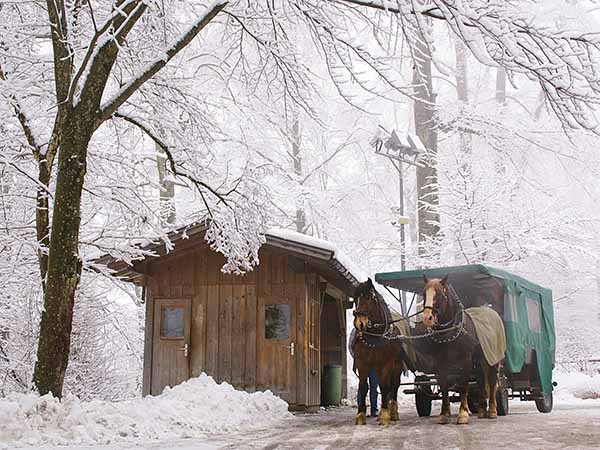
<point>527,312</point>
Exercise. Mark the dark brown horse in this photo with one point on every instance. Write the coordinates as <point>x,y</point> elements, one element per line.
<point>455,348</point>
<point>375,348</point>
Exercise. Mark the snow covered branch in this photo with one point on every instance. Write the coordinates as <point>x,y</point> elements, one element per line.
<point>111,106</point>
<point>501,33</point>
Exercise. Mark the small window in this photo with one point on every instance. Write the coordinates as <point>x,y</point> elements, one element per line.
<point>171,322</point>
<point>510,307</point>
<point>533,315</point>
<point>277,321</point>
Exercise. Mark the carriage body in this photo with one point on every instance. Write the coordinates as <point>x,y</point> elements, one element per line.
<point>527,313</point>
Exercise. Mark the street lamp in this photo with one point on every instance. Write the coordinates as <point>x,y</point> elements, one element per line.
<point>406,148</point>
<point>399,149</point>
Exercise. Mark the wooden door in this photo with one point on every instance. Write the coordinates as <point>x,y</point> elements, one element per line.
<point>277,346</point>
<point>171,343</point>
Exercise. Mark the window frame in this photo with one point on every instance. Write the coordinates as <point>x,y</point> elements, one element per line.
<point>160,324</point>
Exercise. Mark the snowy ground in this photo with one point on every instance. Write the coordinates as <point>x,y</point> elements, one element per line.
<point>194,418</point>
<point>572,425</point>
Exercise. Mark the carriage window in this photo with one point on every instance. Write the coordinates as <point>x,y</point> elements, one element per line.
<point>510,307</point>
<point>171,322</point>
<point>277,321</point>
<point>533,315</point>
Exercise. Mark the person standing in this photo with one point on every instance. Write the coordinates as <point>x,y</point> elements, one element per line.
<point>372,379</point>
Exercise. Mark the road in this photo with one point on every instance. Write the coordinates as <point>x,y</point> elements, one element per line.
<point>569,426</point>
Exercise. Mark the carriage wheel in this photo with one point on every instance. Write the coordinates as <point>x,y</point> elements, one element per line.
<point>502,401</point>
<point>544,405</point>
<point>423,396</point>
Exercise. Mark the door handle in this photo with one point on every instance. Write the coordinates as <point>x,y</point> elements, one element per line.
<point>291,347</point>
<point>186,350</point>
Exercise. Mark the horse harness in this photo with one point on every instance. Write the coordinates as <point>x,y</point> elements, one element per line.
<point>390,333</point>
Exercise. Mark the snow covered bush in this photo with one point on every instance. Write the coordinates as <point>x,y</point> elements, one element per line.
<point>192,409</point>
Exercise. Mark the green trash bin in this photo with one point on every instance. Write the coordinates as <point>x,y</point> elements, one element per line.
<point>331,387</point>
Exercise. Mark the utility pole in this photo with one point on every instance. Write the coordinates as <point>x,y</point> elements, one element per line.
<point>399,150</point>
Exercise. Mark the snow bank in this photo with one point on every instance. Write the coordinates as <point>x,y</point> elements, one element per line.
<point>193,409</point>
<point>576,385</point>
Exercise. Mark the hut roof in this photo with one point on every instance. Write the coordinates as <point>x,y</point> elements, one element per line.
<point>321,255</point>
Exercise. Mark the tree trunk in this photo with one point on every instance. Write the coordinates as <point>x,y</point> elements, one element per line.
<point>462,93</point>
<point>64,266</point>
<point>300,219</point>
<point>501,85</point>
<point>42,219</point>
<point>424,108</point>
<point>167,188</point>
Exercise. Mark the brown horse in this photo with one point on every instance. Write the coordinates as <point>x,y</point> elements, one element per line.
<point>375,348</point>
<point>455,348</point>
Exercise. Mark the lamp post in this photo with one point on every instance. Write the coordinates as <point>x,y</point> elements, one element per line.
<point>400,149</point>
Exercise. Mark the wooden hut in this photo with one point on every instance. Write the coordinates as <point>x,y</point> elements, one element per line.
<point>275,328</point>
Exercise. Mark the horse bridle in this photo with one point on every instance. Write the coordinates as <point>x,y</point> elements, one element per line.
<point>451,325</point>
<point>370,324</point>
<point>435,309</point>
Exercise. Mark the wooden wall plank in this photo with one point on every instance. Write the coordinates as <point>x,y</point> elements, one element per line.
<point>201,267</point>
<point>344,346</point>
<point>199,319</point>
<point>176,278</point>
<point>148,336</point>
<point>163,279</point>
<point>225,315</point>
<point>250,333</point>
<point>264,275</point>
<point>214,262</point>
<point>186,266</point>
<point>301,341</point>
<point>212,331</point>
<point>238,335</point>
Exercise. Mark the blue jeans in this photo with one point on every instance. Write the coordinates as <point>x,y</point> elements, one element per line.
<point>372,391</point>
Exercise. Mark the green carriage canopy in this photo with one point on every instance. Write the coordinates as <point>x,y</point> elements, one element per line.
<point>526,308</point>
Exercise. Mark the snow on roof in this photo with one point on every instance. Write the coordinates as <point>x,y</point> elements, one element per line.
<point>192,409</point>
<point>311,241</point>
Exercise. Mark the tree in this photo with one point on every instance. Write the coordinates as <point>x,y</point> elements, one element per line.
<point>80,112</point>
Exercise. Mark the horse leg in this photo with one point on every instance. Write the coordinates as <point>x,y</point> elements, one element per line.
<point>444,416</point>
<point>395,384</point>
<point>484,391</point>
<point>492,412</point>
<point>383,377</point>
<point>463,412</point>
<point>361,418</point>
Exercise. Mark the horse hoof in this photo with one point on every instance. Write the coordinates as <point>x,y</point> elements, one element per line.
<point>384,417</point>
<point>443,419</point>
<point>481,414</point>
<point>491,415</point>
<point>462,420</point>
<point>361,419</point>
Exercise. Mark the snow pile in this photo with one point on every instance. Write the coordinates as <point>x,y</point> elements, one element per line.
<point>576,384</point>
<point>193,409</point>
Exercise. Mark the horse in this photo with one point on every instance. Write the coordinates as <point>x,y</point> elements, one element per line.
<point>376,348</point>
<point>455,347</point>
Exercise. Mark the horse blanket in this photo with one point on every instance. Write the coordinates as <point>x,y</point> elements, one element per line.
<point>490,333</point>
